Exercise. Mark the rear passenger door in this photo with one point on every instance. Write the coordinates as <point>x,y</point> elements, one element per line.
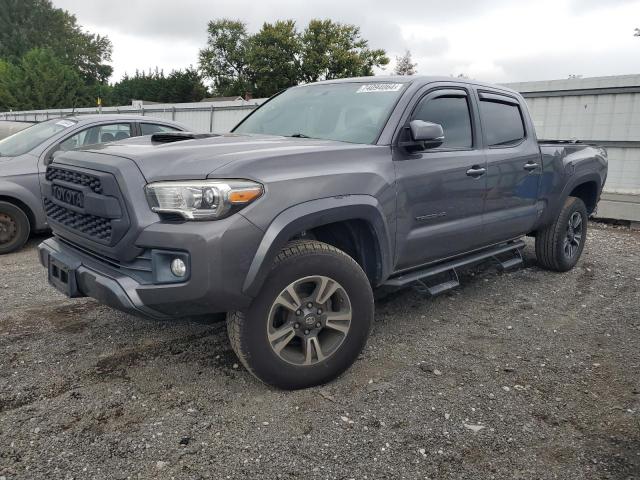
<point>513,166</point>
<point>440,191</point>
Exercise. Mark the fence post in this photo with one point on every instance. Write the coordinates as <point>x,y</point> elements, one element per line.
<point>211,120</point>
<point>173,113</point>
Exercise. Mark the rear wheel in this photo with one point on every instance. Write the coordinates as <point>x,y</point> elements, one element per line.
<point>559,246</point>
<point>309,322</point>
<point>14,227</point>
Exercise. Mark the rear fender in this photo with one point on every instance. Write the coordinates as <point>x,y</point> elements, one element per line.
<point>556,207</point>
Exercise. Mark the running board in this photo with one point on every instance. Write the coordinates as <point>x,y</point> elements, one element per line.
<point>421,275</point>
<point>514,261</point>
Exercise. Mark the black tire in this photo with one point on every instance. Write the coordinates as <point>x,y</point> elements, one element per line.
<point>14,227</point>
<point>300,260</point>
<point>551,242</point>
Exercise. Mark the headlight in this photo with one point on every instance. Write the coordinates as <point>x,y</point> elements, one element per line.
<point>202,199</point>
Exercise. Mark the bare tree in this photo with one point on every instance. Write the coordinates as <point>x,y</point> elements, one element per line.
<point>404,65</point>
<point>637,34</point>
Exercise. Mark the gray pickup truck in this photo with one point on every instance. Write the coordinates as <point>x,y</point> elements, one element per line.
<point>322,194</point>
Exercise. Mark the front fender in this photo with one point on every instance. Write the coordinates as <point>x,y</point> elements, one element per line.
<point>313,214</point>
<point>26,190</point>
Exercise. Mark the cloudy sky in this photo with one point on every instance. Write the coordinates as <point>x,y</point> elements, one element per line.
<point>491,40</point>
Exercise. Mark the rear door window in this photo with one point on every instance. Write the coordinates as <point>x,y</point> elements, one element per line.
<point>151,128</point>
<point>502,123</point>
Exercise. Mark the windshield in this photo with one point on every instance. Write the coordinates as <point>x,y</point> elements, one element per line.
<point>29,138</point>
<point>347,112</point>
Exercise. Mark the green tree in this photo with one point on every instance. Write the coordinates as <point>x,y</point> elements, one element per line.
<point>334,50</point>
<point>29,24</point>
<point>185,86</point>
<point>279,56</point>
<point>274,58</point>
<point>42,81</point>
<point>179,86</point>
<point>8,78</point>
<point>405,65</point>
<point>224,60</point>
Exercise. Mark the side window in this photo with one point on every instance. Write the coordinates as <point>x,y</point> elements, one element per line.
<point>151,128</point>
<point>96,135</point>
<point>501,123</point>
<point>453,114</point>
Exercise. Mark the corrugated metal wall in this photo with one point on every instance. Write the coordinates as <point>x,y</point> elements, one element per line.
<point>216,117</point>
<point>604,110</point>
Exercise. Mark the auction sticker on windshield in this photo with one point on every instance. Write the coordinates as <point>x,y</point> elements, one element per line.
<point>65,123</point>
<point>379,87</point>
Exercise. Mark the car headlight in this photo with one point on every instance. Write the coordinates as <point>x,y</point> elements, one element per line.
<point>202,199</point>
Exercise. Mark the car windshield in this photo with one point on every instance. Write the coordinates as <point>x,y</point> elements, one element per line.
<point>347,112</point>
<point>29,138</point>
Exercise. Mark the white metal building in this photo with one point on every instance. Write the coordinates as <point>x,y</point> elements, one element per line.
<point>216,116</point>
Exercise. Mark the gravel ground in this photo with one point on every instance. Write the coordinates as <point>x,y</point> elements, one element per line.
<point>520,375</point>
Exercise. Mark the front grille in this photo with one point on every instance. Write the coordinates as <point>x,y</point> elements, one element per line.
<point>77,178</point>
<point>101,214</point>
<point>91,225</point>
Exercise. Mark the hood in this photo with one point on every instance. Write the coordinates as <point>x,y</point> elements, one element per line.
<point>199,158</point>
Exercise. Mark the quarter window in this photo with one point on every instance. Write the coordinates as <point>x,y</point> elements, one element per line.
<point>502,123</point>
<point>453,114</point>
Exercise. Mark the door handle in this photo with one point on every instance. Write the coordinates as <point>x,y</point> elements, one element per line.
<point>476,171</point>
<point>530,166</point>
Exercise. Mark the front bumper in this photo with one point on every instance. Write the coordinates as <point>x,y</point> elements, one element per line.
<point>220,254</point>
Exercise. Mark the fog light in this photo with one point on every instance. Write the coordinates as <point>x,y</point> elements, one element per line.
<point>178,267</point>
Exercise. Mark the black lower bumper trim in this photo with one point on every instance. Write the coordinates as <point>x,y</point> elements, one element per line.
<point>104,288</point>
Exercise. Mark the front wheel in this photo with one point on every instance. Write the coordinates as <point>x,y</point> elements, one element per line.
<point>309,322</point>
<point>14,228</point>
<point>559,246</point>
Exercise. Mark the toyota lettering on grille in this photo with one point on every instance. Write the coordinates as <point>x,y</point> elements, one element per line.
<point>68,196</point>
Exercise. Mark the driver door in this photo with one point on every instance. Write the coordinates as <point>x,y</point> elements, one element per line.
<point>441,191</point>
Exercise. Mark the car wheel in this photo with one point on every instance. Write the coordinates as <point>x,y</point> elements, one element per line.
<point>14,228</point>
<point>559,246</point>
<point>309,322</point>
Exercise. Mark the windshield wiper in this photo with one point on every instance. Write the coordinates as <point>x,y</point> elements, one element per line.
<point>299,135</point>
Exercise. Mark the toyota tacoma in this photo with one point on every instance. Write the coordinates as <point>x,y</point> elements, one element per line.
<point>321,195</point>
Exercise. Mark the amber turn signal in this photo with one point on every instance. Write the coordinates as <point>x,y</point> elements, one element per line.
<point>244,196</point>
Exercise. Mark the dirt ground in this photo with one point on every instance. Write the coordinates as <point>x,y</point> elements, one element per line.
<point>518,375</point>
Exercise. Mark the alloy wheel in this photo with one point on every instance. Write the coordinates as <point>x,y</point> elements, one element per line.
<point>309,320</point>
<point>573,238</point>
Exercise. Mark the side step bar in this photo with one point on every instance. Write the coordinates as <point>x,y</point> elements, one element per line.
<point>449,267</point>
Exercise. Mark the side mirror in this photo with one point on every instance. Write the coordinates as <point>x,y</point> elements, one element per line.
<point>429,134</point>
